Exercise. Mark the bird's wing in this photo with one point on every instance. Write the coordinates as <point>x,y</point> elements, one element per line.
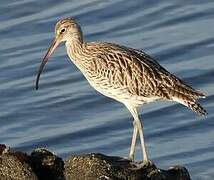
<point>138,72</point>
<point>169,80</point>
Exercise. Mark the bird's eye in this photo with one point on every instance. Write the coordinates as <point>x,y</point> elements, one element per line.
<point>62,30</point>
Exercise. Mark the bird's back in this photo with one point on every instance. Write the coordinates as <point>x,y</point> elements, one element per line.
<point>132,73</point>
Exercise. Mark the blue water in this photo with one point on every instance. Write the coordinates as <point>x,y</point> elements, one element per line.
<point>67,116</point>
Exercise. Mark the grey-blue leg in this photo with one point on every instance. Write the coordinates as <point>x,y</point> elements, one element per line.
<point>133,143</point>
<point>139,127</point>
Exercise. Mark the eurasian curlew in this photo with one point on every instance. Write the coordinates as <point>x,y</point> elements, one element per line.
<point>127,75</point>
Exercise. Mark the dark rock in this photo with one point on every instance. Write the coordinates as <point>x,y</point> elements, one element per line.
<point>46,165</point>
<point>98,166</point>
<point>11,166</point>
<point>2,148</point>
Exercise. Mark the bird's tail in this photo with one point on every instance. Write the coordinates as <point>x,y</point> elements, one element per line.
<point>191,103</point>
<point>196,107</point>
<point>186,95</point>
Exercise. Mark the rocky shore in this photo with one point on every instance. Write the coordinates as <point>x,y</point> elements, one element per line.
<point>42,164</point>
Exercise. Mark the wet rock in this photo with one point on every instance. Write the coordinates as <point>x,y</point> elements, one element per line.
<point>98,166</point>
<point>44,165</point>
<point>12,167</point>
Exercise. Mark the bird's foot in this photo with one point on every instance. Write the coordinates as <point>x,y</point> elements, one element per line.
<point>143,165</point>
<point>131,157</point>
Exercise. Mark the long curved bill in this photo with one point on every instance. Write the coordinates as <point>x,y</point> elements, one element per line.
<point>55,43</point>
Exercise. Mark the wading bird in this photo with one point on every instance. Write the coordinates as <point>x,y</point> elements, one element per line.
<point>127,75</point>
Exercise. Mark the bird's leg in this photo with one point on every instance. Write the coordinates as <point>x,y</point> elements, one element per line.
<point>143,145</point>
<point>133,143</point>
<point>134,113</point>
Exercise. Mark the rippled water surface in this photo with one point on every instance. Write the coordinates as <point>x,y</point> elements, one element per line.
<point>67,116</point>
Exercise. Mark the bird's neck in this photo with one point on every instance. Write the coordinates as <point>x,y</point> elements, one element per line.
<point>75,49</point>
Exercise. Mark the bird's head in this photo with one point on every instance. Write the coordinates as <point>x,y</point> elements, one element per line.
<point>66,30</point>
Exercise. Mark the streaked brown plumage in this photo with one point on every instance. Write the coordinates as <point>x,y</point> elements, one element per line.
<point>127,75</point>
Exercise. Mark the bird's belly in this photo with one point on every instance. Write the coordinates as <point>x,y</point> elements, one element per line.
<point>120,94</point>
<point>117,93</point>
